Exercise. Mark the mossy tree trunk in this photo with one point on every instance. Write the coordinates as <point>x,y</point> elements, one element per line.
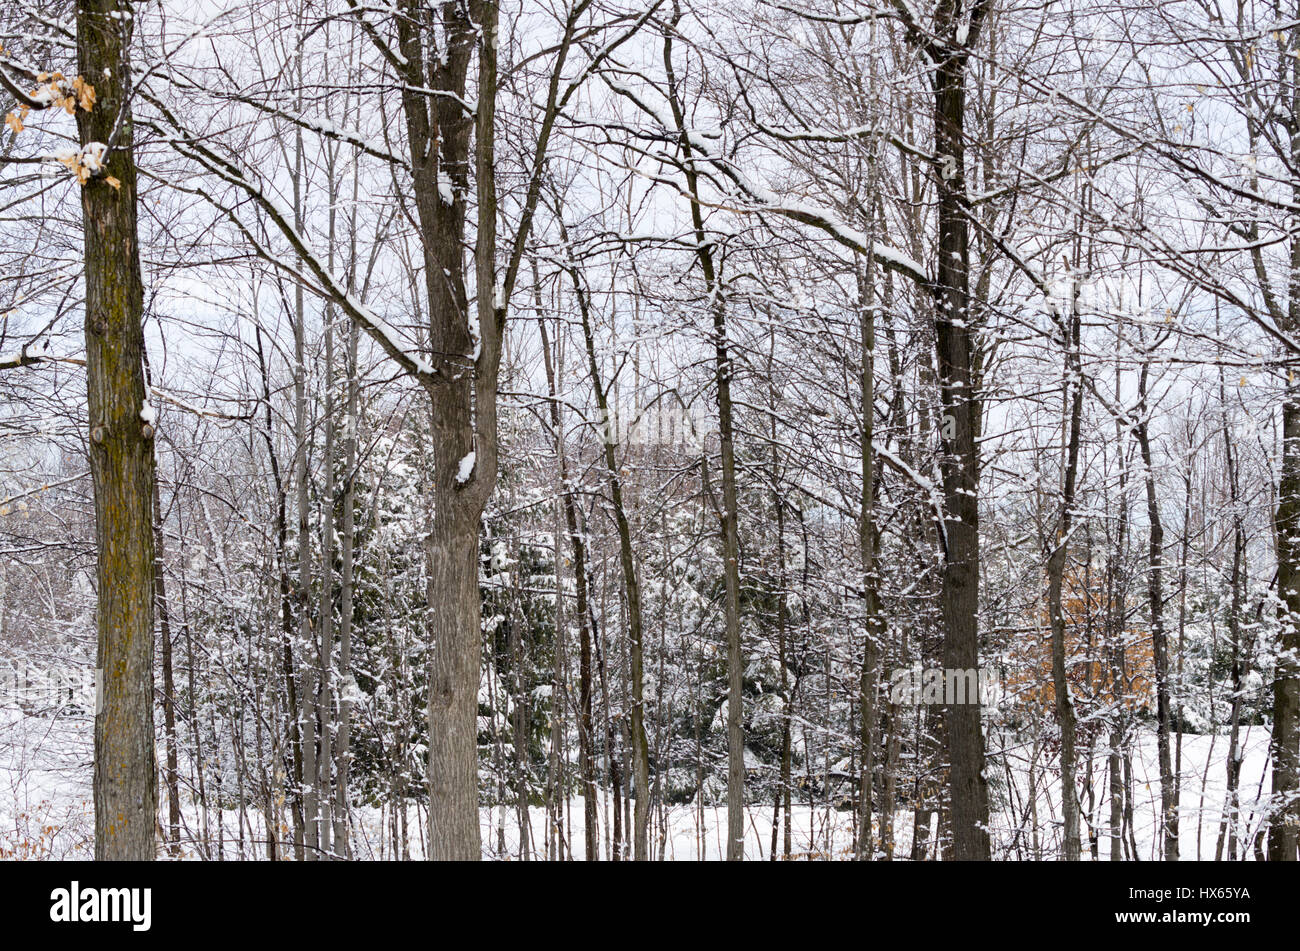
<point>121,444</point>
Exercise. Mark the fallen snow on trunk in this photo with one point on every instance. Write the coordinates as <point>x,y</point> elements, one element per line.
<point>466,468</point>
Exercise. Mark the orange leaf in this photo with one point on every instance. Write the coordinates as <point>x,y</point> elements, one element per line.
<point>85,93</point>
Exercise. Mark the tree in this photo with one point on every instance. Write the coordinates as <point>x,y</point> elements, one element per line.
<point>122,433</point>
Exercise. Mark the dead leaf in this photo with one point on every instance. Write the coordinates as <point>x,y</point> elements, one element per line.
<point>85,93</point>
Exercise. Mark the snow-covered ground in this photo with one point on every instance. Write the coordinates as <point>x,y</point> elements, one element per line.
<point>46,809</point>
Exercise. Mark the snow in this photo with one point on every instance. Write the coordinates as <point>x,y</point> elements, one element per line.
<point>466,468</point>
<point>46,806</point>
<point>92,155</point>
<point>920,481</point>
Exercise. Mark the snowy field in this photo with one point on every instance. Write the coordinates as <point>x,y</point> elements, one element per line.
<point>46,810</point>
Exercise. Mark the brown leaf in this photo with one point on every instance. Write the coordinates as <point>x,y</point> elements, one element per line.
<point>85,93</point>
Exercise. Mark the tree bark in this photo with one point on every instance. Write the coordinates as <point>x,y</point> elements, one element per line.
<point>121,446</point>
<point>724,370</point>
<point>577,541</point>
<point>1056,562</point>
<point>955,340</point>
<point>632,587</point>
<point>873,621</point>
<point>1159,639</point>
<point>1284,829</point>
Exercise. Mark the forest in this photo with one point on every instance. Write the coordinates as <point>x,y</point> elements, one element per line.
<point>640,430</point>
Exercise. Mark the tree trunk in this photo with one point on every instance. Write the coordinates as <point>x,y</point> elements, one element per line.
<point>1284,829</point>
<point>343,738</point>
<point>1056,562</point>
<point>577,541</point>
<point>724,370</point>
<point>632,587</point>
<point>462,388</point>
<point>873,621</point>
<point>121,447</point>
<point>1159,639</point>
<point>169,685</point>
<point>955,344</point>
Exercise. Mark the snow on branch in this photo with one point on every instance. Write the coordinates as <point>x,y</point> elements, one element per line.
<point>326,282</point>
<point>766,201</point>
